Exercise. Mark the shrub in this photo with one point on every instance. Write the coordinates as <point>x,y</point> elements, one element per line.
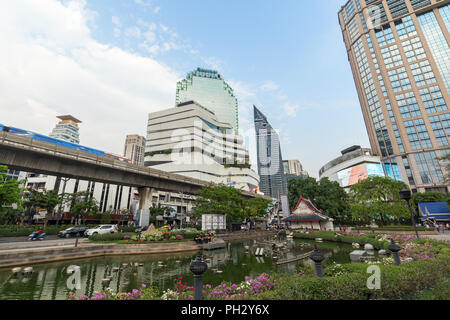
<point>109,237</point>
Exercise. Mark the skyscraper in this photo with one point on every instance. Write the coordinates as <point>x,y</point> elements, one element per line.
<point>134,149</point>
<point>67,129</point>
<point>270,162</point>
<point>208,88</point>
<point>400,58</point>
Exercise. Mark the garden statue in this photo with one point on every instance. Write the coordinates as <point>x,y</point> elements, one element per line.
<point>150,231</point>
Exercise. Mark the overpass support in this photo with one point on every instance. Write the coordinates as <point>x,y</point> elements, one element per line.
<point>145,202</point>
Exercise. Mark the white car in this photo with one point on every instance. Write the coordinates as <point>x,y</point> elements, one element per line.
<point>101,229</point>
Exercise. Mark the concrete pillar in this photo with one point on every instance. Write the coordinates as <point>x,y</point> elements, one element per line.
<point>145,202</point>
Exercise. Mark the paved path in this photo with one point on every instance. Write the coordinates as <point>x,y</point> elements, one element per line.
<point>23,239</point>
<point>445,237</point>
<point>39,244</point>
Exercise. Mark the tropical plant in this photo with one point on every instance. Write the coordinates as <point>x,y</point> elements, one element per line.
<point>378,198</point>
<point>10,190</point>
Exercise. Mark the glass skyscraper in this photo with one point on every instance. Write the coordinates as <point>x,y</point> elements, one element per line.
<point>270,163</point>
<point>400,58</point>
<point>208,88</point>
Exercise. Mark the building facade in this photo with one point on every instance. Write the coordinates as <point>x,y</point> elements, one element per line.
<point>67,129</point>
<point>134,149</point>
<point>190,141</point>
<point>400,58</point>
<point>293,169</point>
<point>208,88</point>
<point>270,163</point>
<point>356,164</point>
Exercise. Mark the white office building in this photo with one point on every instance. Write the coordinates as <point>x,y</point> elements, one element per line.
<point>189,140</point>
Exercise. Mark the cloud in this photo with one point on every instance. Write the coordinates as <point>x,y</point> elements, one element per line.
<point>52,66</point>
<point>269,86</point>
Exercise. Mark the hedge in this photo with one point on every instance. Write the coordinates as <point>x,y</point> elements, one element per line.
<point>331,236</point>
<point>19,231</point>
<point>395,228</point>
<point>397,282</point>
<point>110,236</point>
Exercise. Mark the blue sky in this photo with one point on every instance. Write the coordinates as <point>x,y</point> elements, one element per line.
<point>287,57</point>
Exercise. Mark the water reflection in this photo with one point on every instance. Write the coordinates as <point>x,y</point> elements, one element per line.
<point>49,281</point>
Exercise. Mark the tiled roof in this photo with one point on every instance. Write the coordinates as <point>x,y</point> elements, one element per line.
<point>437,210</point>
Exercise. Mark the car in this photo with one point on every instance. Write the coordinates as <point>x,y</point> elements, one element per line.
<point>73,232</point>
<point>101,229</point>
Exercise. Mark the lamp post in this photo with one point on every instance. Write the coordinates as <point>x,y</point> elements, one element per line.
<point>317,257</point>
<point>198,268</point>
<point>405,194</point>
<point>394,248</point>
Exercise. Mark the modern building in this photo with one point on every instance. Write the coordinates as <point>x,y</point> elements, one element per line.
<point>400,58</point>
<point>208,88</point>
<point>270,162</point>
<point>67,129</point>
<point>356,164</point>
<point>293,169</point>
<point>189,140</point>
<point>135,149</point>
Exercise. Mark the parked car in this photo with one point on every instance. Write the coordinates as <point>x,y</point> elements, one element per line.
<point>73,232</point>
<point>101,229</point>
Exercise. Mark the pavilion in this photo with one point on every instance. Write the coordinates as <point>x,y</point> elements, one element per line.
<point>306,216</point>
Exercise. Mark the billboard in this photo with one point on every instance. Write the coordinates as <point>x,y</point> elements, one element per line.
<point>353,175</point>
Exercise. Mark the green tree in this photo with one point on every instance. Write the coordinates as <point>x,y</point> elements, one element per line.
<point>159,211</point>
<point>326,195</point>
<point>223,200</point>
<point>427,197</point>
<point>378,198</point>
<point>10,191</point>
<point>81,203</point>
<point>258,207</point>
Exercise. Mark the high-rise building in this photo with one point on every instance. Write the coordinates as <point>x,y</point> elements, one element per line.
<point>208,88</point>
<point>293,169</point>
<point>270,162</point>
<point>189,140</point>
<point>67,129</point>
<point>134,149</point>
<point>400,58</point>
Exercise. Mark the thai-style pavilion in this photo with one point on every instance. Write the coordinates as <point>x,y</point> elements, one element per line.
<point>306,216</point>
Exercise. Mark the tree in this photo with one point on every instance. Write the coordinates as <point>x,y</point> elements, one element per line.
<point>10,191</point>
<point>81,203</point>
<point>258,207</point>
<point>326,195</point>
<point>159,211</point>
<point>426,197</point>
<point>378,198</point>
<point>223,200</point>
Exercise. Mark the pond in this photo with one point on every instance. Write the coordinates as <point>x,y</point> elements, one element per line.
<point>49,281</point>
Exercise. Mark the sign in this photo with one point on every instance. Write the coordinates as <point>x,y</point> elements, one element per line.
<point>214,222</point>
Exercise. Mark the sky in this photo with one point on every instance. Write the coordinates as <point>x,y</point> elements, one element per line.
<point>110,63</point>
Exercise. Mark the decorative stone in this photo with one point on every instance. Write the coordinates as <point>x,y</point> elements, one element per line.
<point>28,270</point>
<point>355,245</point>
<point>357,255</point>
<point>368,246</point>
<point>16,270</point>
<point>150,231</point>
<point>382,252</point>
<point>319,239</point>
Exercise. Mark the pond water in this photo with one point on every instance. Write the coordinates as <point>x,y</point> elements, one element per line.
<point>49,281</point>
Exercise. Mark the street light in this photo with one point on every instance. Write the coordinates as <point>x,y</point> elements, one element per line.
<point>405,194</point>
<point>198,268</point>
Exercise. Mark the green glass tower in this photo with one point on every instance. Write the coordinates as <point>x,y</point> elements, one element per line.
<point>208,88</point>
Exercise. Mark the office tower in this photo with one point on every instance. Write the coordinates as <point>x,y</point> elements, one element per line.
<point>208,88</point>
<point>67,129</point>
<point>293,169</point>
<point>270,163</point>
<point>399,55</point>
<point>189,140</point>
<point>134,149</point>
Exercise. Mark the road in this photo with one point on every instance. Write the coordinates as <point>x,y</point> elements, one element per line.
<point>24,239</point>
